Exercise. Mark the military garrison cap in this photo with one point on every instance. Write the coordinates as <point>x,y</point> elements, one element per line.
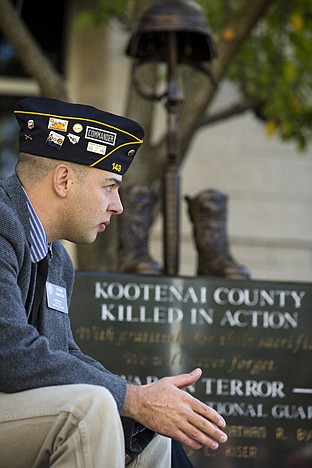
<point>77,133</point>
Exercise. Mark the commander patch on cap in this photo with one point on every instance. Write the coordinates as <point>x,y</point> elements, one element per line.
<point>77,133</point>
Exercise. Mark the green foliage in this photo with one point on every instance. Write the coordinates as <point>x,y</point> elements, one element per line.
<point>220,12</point>
<point>102,11</point>
<point>275,66</point>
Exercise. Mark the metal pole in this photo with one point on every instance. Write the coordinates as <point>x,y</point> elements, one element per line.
<point>171,177</point>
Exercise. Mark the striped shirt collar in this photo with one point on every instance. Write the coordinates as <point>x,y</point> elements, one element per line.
<point>39,242</point>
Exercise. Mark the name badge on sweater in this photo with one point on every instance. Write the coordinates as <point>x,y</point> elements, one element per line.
<point>56,297</point>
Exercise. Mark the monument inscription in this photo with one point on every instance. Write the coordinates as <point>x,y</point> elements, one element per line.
<point>252,340</point>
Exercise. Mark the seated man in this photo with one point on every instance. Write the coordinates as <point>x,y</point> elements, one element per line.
<point>59,407</point>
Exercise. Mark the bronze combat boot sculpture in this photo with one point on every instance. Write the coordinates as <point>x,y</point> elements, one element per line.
<point>208,214</point>
<point>134,225</point>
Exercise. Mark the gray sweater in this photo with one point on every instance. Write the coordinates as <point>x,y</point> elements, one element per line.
<point>48,355</point>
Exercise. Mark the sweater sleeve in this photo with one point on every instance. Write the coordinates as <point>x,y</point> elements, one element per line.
<point>31,358</point>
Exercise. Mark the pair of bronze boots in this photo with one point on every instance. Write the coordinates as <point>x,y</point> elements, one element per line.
<point>207,212</point>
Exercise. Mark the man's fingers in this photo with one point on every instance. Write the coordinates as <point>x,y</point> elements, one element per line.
<point>209,436</point>
<point>184,380</point>
<point>208,413</point>
<point>203,412</point>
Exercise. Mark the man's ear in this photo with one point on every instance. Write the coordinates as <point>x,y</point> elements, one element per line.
<point>61,180</point>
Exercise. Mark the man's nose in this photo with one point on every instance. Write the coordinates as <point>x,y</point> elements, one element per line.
<point>116,205</point>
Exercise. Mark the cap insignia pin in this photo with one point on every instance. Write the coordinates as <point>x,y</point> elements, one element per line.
<point>77,128</point>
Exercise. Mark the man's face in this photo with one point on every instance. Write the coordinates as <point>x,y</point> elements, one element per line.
<point>92,200</point>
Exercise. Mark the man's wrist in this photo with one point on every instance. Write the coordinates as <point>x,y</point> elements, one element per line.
<point>133,401</point>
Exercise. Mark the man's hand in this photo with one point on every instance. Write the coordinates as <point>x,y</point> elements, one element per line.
<point>165,408</point>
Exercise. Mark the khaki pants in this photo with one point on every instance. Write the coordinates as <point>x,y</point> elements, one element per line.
<point>72,426</point>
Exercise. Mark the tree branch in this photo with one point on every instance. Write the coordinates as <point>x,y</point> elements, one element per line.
<point>231,111</point>
<point>29,52</point>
